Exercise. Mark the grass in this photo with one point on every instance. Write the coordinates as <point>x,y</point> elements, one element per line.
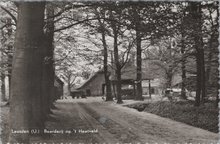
<point>205,117</point>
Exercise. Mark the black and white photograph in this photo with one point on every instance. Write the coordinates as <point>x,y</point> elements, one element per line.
<point>109,72</point>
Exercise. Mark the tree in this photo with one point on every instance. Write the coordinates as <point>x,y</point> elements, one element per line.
<point>103,30</point>
<point>8,19</point>
<point>150,21</point>
<point>100,27</point>
<point>48,63</point>
<point>165,59</point>
<point>139,53</point>
<point>69,76</point>
<point>182,30</point>
<point>2,69</point>
<point>183,40</point>
<point>196,33</point>
<point>211,34</point>
<point>195,25</point>
<point>25,104</point>
<point>105,61</point>
<point>123,42</point>
<point>6,57</point>
<point>115,28</point>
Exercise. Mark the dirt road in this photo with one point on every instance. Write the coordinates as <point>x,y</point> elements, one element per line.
<point>92,120</point>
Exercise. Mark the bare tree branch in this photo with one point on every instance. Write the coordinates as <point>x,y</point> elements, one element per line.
<point>69,26</point>
<point>8,12</point>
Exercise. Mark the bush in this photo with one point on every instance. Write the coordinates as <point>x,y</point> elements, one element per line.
<point>205,117</point>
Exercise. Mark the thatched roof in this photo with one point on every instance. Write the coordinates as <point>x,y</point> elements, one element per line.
<point>90,79</point>
<point>130,72</point>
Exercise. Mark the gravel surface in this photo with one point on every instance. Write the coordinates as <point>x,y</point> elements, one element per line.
<point>92,120</point>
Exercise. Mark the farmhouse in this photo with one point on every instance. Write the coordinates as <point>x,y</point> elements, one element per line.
<point>95,85</point>
<point>153,81</point>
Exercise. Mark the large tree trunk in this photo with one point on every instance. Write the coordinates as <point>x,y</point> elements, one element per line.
<point>217,96</point>
<point>9,55</point>
<point>118,86</point>
<point>117,71</point>
<point>3,93</point>
<point>183,67</point>
<point>203,77</point>
<point>25,108</point>
<point>118,67</point>
<point>50,55</point>
<point>9,84</point>
<point>198,43</point>
<point>69,85</point>
<point>105,62</point>
<point>113,83</point>
<point>198,81</point>
<point>209,62</point>
<point>217,37</point>
<point>115,29</point>
<point>139,58</point>
<point>169,77</point>
<point>48,68</point>
<point>2,75</point>
<point>106,73</point>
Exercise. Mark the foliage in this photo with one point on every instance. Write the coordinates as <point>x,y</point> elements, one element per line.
<point>205,117</point>
<point>165,28</point>
<point>7,34</point>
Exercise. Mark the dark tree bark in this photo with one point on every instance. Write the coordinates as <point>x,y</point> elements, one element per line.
<point>9,81</point>
<point>106,73</point>
<point>139,58</point>
<point>183,86</point>
<point>69,85</point>
<point>217,37</point>
<point>2,75</point>
<point>9,55</point>
<point>50,55</point>
<point>149,89</point>
<point>25,108</point>
<point>209,63</point>
<point>198,80</point>
<point>3,94</point>
<point>48,68</point>
<point>169,77</point>
<point>118,67</point>
<point>198,44</point>
<point>183,58</point>
<point>105,62</point>
<point>113,83</point>
<point>217,96</point>
<point>203,76</point>
<point>183,67</point>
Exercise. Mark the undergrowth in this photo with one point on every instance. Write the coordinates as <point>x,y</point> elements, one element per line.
<point>205,117</point>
